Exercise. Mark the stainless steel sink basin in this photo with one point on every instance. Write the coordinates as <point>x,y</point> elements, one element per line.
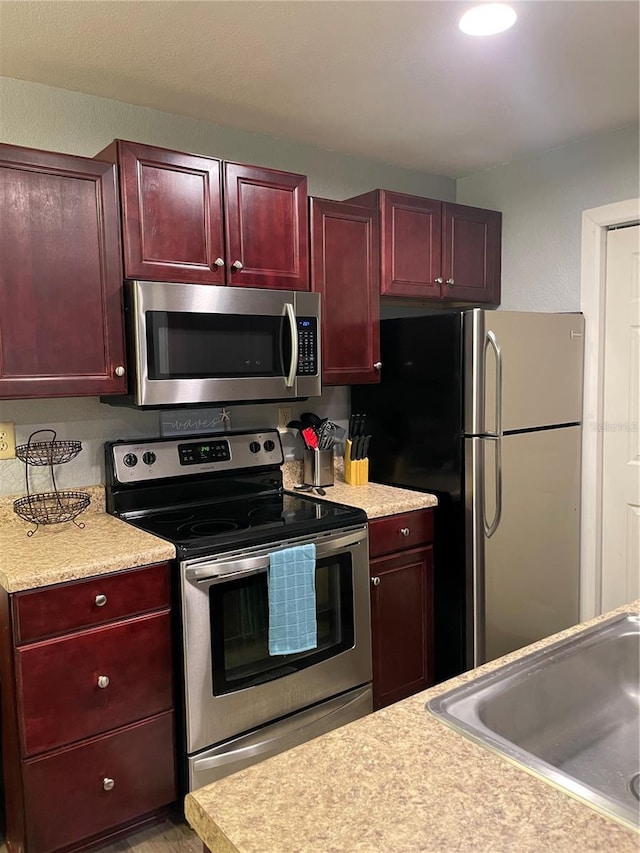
<point>569,713</point>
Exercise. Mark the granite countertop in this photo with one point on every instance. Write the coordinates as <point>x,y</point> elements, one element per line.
<point>400,781</point>
<point>64,552</point>
<point>375,499</point>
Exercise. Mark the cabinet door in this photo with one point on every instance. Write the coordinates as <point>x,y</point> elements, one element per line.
<point>172,214</point>
<point>74,795</point>
<point>266,227</point>
<point>345,270</point>
<point>471,239</point>
<point>410,246</point>
<point>402,624</point>
<point>61,323</point>
<point>63,696</point>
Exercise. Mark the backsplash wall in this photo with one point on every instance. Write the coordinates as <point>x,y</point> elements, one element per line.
<point>88,420</point>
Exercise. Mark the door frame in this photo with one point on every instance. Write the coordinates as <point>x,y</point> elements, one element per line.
<point>595,223</point>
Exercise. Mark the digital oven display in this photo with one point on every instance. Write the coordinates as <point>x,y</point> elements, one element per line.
<point>198,453</point>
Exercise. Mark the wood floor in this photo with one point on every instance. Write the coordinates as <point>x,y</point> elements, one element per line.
<point>170,836</point>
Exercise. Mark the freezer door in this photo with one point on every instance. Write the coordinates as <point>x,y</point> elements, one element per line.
<point>521,370</point>
<point>524,577</point>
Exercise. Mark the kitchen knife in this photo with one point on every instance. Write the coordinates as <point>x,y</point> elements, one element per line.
<point>364,452</point>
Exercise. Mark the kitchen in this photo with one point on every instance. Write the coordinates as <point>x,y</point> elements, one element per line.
<point>596,171</point>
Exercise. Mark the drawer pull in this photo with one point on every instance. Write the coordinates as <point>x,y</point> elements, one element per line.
<point>375,581</point>
<point>108,784</point>
<point>101,600</point>
<point>404,531</point>
<point>103,681</point>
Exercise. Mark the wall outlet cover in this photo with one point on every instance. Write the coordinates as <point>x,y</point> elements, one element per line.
<point>7,440</point>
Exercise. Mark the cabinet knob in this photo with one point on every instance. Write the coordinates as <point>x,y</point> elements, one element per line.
<point>375,581</point>
<point>439,280</point>
<point>404,531</point>
<point>103,681</point>
<point>237,265</point>
<point>450,281</point>
<point>108,784</point>
<point>219,262</point>
<point>377,365</point>
<point>119,371</point>
<point>101,600</point>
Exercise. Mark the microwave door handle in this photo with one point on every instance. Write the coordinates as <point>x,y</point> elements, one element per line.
<point>293,330</point>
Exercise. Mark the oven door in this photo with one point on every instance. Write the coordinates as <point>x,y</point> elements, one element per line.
<point>197,343</point>
<point>232,684</point>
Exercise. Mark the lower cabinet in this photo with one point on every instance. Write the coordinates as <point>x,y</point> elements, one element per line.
<point>401,568</point>
<point>87,709</point>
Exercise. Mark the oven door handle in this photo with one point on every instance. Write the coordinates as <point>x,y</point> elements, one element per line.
<point>251,565</point>
<point>228,571</point>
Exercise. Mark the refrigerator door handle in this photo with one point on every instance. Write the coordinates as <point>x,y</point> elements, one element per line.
<point>490,529</point>
<point>491,341</point>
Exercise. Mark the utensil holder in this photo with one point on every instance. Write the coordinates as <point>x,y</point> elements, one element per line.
<point>318,467</point>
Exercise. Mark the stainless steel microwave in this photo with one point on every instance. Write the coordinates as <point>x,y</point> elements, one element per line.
<point>194,344</point>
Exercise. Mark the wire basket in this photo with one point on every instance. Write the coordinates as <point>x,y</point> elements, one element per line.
<point>49,507</point>
<point>48,452</point>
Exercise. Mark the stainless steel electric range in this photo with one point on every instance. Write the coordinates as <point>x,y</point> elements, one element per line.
<point>220,500</point>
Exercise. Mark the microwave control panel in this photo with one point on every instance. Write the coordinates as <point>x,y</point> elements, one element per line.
<point>307,346</point>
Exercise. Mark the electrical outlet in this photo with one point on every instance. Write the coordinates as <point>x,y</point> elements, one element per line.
<point>284,416</point>
<point>7,440</point>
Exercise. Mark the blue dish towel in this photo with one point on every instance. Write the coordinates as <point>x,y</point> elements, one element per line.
<point>292,600</point>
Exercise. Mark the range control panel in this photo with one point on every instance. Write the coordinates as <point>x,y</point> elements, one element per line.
<point>158,458</point>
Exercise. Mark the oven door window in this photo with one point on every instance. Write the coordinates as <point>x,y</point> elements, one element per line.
<point>240,624</point>
<point>183,345</point>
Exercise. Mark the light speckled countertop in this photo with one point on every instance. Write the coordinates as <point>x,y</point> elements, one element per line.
<point>63,552</point>
<point>375,499</point>
<point>399,781</point>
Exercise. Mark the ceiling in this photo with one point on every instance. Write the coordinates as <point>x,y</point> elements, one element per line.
<point>391,81</point>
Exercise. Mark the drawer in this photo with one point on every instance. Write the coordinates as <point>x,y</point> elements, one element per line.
<point>65,796</point>
<point>59,695</point>
<point>80,604</point>
<point>399,532</point>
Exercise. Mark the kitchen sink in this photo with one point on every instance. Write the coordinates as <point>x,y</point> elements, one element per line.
<point>568,713</point>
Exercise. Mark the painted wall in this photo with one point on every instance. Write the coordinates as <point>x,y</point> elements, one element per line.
<point>59,120</point>
<point>542,199</point>
<point>44,117</point>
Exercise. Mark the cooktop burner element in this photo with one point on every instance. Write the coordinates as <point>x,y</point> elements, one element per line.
<point>205,507</point>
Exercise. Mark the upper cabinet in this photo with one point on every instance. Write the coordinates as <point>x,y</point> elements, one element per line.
<point>188,218</point>
<point>437,250</point>
<point>61,331</point>
<point>345,269</point>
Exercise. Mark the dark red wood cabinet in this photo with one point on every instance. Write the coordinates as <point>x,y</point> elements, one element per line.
<point>61,323</point>
<point>345,270</point>
<point>188,218</point>
<point>87,709</point>
<point>437,250</point>
<point>401,568</point>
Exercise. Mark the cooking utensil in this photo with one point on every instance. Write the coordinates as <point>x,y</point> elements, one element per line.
<point>311,419</point>
<point>310,438</point>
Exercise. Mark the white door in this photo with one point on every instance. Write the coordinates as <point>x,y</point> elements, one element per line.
<point>621,421</point>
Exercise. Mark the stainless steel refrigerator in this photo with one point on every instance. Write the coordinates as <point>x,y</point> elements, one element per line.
<point>484,408</point>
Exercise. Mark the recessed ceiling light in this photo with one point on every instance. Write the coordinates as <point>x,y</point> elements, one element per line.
<point>487,19</point>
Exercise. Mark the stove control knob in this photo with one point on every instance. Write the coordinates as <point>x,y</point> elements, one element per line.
<point>130,460</point>
<point>254,447</point>
<point>269,445</point>
<point>148,457</point>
